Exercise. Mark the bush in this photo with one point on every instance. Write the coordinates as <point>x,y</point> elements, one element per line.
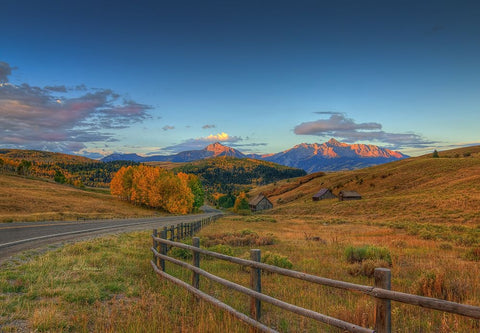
<point>275,259</point>
<point>359,254</point>
<point>180,253</point>
<point>223,249</point>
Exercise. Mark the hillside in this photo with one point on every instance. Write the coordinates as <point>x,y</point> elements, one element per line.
<point>63,168</point>
<point>421,189</point>
<point>24,199</point>
<point>228,174</point>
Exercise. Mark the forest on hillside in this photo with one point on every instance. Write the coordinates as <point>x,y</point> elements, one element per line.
<point>62,168</point>
<point>229,174</point>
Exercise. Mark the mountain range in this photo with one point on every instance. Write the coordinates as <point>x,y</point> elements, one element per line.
<point>329,156</point>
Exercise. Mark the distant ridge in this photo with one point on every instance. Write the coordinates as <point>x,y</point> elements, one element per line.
<point>213,150</point>
<point>334,156</point>
<point>329,156</point>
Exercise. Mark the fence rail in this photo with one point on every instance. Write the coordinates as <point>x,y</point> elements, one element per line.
<point>380,291</point>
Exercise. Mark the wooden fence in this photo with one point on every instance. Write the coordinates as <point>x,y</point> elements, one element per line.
<point>380,291</point>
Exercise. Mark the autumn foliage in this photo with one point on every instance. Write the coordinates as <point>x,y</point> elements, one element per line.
<point>158,188</point>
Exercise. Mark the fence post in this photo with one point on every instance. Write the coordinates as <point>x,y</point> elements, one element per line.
<point>181,230</point>
<point>383,313</point>
<point>196,263</point>
<point>163,248</point>
<point>256,285</point>
<point>155,234</point>
<point>172,233</point>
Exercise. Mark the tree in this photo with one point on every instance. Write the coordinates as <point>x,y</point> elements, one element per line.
<point>241,203</point>
<point>60,177</point>
<point>435,154</point>
<point>198,194</point>
<point>226,201</point>
<point>154,187</point>
<point>24,168</point>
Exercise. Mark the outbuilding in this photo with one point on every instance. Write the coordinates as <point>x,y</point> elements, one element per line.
<point>324,193</point>
<point>260,202</point>
<point>349,195</point>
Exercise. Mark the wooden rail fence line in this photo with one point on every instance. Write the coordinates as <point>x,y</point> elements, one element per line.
<point>380,291</point>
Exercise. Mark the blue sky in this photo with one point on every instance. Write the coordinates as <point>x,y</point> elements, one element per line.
<point>156,77</point>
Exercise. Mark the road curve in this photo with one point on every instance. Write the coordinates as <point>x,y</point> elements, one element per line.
<point>21,236</point>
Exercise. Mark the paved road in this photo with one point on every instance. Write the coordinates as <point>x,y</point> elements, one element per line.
<point>21,236</point>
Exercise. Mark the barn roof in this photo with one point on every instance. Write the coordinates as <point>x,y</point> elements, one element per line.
<point>256,200</point>
<point>350,194</point>
<point>321,192</point>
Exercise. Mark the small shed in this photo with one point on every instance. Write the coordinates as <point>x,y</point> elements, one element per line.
<point>260,202</point>
<point>324,193</point>
<point>349,195</point>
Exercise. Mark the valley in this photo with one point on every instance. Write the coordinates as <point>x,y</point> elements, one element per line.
<point>422,211</point>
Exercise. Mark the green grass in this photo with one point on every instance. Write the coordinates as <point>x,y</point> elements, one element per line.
<point>103,285</point>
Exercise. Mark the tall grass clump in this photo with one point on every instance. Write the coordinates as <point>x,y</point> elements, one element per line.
<point>365,259</point>
<point>275,259</point>
<point>439,284</point>
<point>362,253</point>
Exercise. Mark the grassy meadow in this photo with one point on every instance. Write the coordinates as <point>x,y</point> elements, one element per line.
<point>23,199</point>
<point>419,217</point>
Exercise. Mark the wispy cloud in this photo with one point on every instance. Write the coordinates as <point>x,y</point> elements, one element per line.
<point>56,88</point>
<point>200,143</point>
<point>36,118</point>
<point>208,126</point>
<point>346,129</point>
<point>168,127</point>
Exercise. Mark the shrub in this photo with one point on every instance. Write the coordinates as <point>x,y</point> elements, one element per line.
<point>223,249</point>
<point>180,253</point>
<point>275,259</point>
<point>359,254</point>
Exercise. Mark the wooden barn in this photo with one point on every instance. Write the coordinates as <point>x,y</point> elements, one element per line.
<point>349,195</point>
<point>260,202</point>
<point>324,193</point>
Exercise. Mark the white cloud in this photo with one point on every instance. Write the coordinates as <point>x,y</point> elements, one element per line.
<point>346,129</point>
<point>35,118</point>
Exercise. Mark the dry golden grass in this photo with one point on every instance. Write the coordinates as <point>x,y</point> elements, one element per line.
<point>423,190</point>
<point>420,266</point>
<point>24,199</point>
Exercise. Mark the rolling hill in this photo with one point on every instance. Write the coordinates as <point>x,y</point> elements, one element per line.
<point>24,199</point>
<point>415,190</point>
<point>230,174</point>
<point>76,170</point>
